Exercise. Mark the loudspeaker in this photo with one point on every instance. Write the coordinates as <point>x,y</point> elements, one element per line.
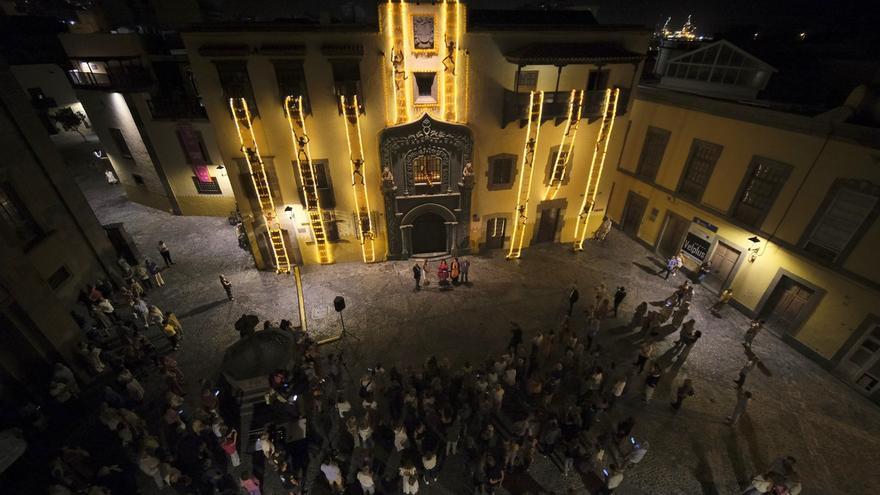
<point>339,304</point>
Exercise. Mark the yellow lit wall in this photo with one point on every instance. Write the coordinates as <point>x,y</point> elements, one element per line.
<point>795,140</point>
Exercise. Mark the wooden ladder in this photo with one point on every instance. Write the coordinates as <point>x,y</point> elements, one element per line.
<point>609,111</point>
<point>351,117</point>
<point>241,115</point>
<point>397,25</point>
<point>296,120</point>
<point>563,156</point>
<point>520,214</point>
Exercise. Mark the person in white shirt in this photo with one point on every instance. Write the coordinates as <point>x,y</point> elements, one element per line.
<point>333,474</point>
<point>400,438</point>
<point>410,479</point>
<point>614,479</point>
<point>365,478</point>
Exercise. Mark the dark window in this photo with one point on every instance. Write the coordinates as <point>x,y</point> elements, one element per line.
<point>321,181</point>
<point>598,79</point>
<point>16,215</point>
<point>652,152</point>
<point>425,84</point>
<point>698,169</point>
<point>291,79</point>
<point>236,82</point>
<point>759,190</point>
<point>138,179</point>
<point>331,226</point>
<point>501,171</point>
<point>839,224</point>
<point>347,80</point>
<point>119,140</point>
<point>212,187</point>
<point>528,81</point>
<point>58,278</point>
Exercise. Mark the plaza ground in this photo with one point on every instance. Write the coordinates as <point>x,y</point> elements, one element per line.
<point>800,410</point>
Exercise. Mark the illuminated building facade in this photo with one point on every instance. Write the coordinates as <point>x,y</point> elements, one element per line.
<point>435,130</point>
<point>784,206</point>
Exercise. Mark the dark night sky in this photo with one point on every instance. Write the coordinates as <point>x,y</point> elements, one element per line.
<point>710,16</point>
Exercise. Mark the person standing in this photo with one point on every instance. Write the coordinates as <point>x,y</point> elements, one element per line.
<point>155,271</point>
<point>705,270</point>
<point>646,350</point>
<point>651,382</point>
<point>443,274</point>
<point>230,440</point>
<point>619,296</point>
<point>455,270</point>
<point>417,275</point>
<point>465,268</point>
<point>671,267</point>
<point>334,475</point>
<point>723,299</point>
<point>425,272</point>
<point>744,372</point>
<point>124,266</point>
<point>755,327</point>
<point>603,230</point>
<point>172,335</point>
<point>142,274</point>
<point>573,296</point>
<point>365,478</point>
<point>410,479</point>
<point>227,286</point>
<point>685,390</point>
<point>250,484</point>
<point>613,479</point>
<point>742,402</point>
<point>165,252</point>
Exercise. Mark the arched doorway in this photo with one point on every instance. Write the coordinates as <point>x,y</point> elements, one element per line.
<point>429,234</point>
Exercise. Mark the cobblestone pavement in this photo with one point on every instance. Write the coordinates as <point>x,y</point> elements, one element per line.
<point>800,410</point>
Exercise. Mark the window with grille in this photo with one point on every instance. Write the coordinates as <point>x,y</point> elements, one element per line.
<point>652,152</point>
<point>16,215</point>
<point>501,171</point>
<point>698,169</point>
<point>496,227</point>
<point>426,170</point>
<point>840,222</point>
<point>119,141</point>
<point>212,187</point>
<point>528,81</point>
<point>347,80</point>
<point>331,226</point>
<point>763,183</point>
<point>291,78</point>
<point>236,82</point>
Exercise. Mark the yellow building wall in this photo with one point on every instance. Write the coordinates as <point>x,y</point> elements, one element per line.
<point>846,301</point>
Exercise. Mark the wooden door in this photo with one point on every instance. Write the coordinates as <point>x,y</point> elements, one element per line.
<point>495,230</point>
<point>547,225</point>
<point>633,213</point>
<point>786,305</point>
<point>723,260</point>
<point>672,235</point>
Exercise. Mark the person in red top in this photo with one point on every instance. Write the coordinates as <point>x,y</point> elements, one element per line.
<point>230,439</point>
<point>250,484</point>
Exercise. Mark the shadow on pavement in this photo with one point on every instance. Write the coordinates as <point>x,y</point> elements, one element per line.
<point>204,307</point>
<point>703,471</point>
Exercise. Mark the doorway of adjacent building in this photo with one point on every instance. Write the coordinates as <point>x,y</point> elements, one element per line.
<point>429,234</point>
<point>863,362</point>
<point>786,306</point>
<point>675,228</point>
<point>547,225</point>
<point>633,212</point>
<point>723,260</point>
<point>495,229</point>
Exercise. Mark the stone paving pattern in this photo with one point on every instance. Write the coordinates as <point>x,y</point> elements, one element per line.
<point>800,410</point>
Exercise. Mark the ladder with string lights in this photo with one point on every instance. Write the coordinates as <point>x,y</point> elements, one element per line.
<point>452,11</point>
<point>241,115</point>
<point>563,155</point>
<point>351,118</point>
<point>609,111</point>
<point>520,214</point>
<point>397,28</point>
<point>294,111</point>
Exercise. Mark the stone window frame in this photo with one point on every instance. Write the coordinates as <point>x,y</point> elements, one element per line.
<point>551,161</point>
<point>862,186</point>
<point>698,145</point>
<point>643,155</point>
<point>490,172</point>
<point>782,169</point>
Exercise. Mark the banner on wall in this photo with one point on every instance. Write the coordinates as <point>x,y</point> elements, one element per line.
<point>189,140</point>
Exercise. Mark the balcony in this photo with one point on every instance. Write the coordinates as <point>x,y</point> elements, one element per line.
<point>126,74</point>
<point>172,108</point>
<point>515,107</point>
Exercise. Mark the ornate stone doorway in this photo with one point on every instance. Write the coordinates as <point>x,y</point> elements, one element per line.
<point>426,173</point>
<point>428,234</point>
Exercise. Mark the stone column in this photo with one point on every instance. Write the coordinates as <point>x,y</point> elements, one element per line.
<point>389,193</point>
<point>406,235</point>
<point>451,237</point>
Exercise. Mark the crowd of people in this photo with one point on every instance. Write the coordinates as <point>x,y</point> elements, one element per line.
<point>557,394</point>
